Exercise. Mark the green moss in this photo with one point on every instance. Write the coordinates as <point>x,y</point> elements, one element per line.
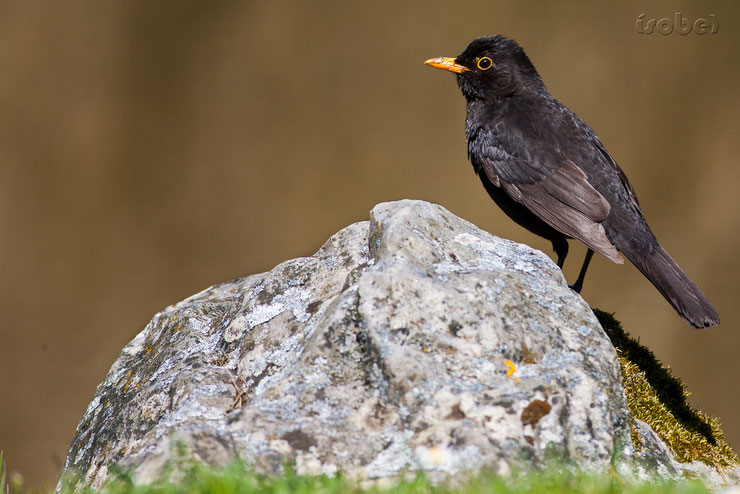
<point>660,399</point>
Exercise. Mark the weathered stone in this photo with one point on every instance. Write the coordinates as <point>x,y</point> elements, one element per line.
<point>412,341</point>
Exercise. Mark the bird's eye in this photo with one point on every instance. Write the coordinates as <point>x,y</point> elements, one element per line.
<point>484,63</point>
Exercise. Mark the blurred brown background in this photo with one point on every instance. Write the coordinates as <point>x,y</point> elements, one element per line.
<point>151,149</point>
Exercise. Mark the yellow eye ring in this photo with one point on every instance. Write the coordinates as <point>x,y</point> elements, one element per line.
<point>484,63</point>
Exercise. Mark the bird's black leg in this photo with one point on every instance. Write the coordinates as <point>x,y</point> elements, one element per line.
<point>560,246</point>
<point>578,285</point>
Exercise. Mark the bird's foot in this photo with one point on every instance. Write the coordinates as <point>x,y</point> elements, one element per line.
<point>578,285</point>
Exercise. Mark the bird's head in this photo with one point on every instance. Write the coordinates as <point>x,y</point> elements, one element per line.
<point>491,68</point>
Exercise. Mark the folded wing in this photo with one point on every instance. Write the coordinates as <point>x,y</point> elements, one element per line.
<point>558,193</point>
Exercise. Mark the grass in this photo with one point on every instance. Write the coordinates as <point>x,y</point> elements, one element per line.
<point>235,478</point>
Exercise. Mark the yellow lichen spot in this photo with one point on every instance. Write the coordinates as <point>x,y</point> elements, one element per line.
<point>178,328</point>
<point>511,369</point>
<point>107,404</point>
<point>436,455</point>
<point>123,451</point>
<point>425,350</point>
<point>129,380</point>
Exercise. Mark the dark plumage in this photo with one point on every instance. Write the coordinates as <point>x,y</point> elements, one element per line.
<point>550,173</point>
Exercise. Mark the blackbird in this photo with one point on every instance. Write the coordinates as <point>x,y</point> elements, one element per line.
<point>549,172</point>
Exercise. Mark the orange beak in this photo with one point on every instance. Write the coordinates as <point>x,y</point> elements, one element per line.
<point>445,63</point>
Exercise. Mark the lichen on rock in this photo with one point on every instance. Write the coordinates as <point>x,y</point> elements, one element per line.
<point>412,341</point>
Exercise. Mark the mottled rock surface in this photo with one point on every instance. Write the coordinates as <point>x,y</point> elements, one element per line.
<point>411,341</point>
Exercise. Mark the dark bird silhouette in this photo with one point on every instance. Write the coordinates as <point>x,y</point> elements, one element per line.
<point>549,172</point>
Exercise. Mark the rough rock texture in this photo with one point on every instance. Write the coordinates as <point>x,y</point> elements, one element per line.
<point>412,341</point>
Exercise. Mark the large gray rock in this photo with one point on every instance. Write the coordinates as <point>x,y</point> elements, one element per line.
<point>412,341</point>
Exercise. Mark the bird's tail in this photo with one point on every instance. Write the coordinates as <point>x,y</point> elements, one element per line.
<point>670,280</point>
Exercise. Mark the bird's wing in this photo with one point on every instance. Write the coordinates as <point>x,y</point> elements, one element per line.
<point>555,190</point>
<point>622,177</point>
